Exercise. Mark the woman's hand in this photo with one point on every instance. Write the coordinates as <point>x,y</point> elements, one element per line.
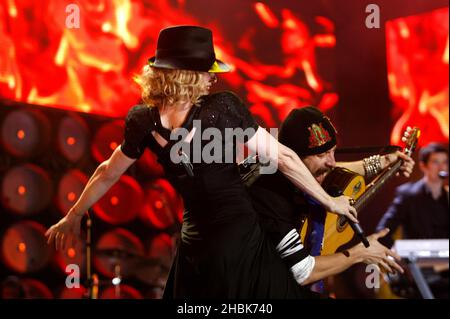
<point>67,228</point>
<point>380,255</point>
<point>342,205</point>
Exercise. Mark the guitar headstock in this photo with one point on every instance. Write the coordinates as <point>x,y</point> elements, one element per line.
<point>411,138</point>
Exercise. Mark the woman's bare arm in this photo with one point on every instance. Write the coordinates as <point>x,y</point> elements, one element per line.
<point>105,176</point>
<point>290,164</point>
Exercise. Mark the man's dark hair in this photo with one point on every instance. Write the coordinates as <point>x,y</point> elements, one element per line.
<point>427,150</point>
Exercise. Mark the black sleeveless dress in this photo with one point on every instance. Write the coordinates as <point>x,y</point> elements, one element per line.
<point>223,252</point>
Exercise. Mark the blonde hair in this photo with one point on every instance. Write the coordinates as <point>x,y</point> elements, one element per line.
<point>163,87</point>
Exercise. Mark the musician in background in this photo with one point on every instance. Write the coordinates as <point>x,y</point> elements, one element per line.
<point>312,136</point>
<point>421,208</point>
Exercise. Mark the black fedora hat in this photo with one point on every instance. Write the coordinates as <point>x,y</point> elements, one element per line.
<point>187,48</point>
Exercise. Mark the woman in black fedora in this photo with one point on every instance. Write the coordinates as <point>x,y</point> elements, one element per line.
<point>223,253</point>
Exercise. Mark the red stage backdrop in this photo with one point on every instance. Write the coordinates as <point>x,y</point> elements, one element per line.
<point>90,69</point>
<point>417,55</point>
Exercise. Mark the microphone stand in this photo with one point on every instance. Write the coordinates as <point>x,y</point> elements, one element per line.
<point>92,279</point>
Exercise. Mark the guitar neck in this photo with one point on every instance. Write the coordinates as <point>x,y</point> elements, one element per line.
<point>376,185</point>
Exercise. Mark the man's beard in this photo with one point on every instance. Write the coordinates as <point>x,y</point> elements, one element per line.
<point>321,174</point>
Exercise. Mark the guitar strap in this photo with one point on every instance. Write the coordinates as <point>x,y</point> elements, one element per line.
<point>315,239</point>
